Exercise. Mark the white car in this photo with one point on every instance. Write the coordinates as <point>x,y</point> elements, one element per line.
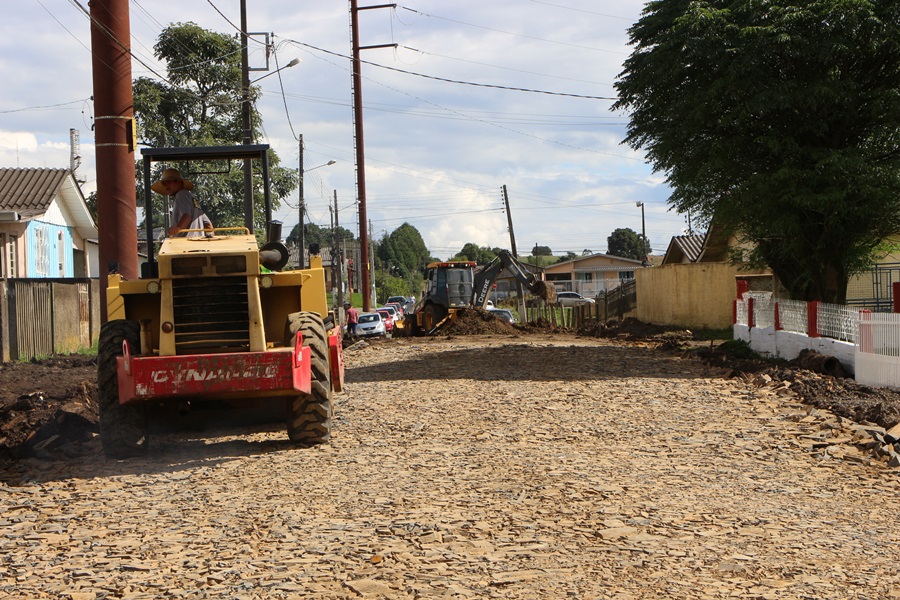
<point>572,299</point>
<point>502,313</point>
<point>370,324</point>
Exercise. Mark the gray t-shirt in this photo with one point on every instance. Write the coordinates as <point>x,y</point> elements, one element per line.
<point>186,204</point>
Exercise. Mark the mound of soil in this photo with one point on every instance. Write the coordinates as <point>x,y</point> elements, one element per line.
<point>477,321</point>
<point>46,403</point>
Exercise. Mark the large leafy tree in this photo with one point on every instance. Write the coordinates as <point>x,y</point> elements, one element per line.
<point>313,234</point>
<point>778,119</point>
<point>404,252</point>
<point>479,254</point>
<point>199,104</point>
<point>627,243</point>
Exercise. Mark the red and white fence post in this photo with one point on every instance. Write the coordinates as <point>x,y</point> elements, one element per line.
<point>812,318</point>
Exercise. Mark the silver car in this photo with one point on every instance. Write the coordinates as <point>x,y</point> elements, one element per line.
<point>572,299</point>
<point>370,324</point>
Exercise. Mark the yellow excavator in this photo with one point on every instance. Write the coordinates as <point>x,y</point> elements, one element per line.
<point>451,287</point>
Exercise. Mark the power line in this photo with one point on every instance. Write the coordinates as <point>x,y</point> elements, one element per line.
<point>42,107</point>
<point>457,81</point>
<point>512,33</point>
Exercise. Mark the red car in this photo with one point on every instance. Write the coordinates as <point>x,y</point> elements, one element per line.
<point>388,320</point>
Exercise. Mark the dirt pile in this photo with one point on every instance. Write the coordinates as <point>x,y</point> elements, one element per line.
<point>477,321</point>
<point>632,330</point>
<point>45,404</point>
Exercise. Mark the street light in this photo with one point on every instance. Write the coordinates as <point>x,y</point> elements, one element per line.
<point>301,202</point>
<point>247,137</point>
<point>644,262</point>
<point>293,63</point>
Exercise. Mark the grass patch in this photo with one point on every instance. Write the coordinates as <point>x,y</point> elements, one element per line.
<point>713,335</point>
<point>739,349</point>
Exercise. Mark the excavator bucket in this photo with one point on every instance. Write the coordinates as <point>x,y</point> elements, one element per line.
<point>545,291</point>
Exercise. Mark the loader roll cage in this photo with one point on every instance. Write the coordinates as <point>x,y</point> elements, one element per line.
<point>258,152</point>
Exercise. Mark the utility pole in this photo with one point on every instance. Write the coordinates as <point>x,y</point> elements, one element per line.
<point>644,262</point>
<point>372,293</point>
<point>520,291</point>
<point>245,119</point>
<point>360,144</point>
<point>340,256</point>
<point>302,207</point>
<point>114,136</point>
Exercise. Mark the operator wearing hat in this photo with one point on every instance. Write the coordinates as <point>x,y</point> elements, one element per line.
<point>186,214</point>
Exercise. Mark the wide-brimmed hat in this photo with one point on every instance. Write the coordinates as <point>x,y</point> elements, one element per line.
<point>170,175</point>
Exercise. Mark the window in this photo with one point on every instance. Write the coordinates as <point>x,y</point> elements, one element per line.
<point>11,255</point>
<point>41,258</point>
<point>61,252</point>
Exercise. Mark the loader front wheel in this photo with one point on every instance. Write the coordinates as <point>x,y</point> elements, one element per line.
<point>432,315</point>
<point>123,428</point>
<point>310,415</point>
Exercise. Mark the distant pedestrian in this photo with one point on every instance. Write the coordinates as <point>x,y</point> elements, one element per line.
<point>352,318</point>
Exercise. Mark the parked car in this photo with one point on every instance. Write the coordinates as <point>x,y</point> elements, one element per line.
<point>502,313</point>
<point>388,320</point>
<point>401,300</point>
<point>395,315</point>
<point>572,299</point>
<point>399,309</point>
<point>369,324</point>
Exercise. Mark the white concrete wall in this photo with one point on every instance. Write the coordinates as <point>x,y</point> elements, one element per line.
<point>787,345</point>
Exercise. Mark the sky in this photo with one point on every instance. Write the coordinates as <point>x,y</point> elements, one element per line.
<point>475,96</point>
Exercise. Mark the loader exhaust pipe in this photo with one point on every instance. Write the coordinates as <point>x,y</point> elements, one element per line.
<point>273,233</point>
<point>274,256</point>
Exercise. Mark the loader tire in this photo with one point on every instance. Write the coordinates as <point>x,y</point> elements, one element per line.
<point>310,415</point>
<point>123,428</point>
<point>432,315</point>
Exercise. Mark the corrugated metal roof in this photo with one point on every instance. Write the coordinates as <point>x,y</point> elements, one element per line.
<point>607,269</point>
<point>691,246</point>
<point>29,191</point>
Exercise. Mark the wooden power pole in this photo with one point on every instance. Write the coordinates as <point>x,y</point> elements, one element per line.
<point>360,146</point>
<point>114,137</point>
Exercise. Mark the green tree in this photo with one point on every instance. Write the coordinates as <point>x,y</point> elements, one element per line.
<point>479,254</point>
<point>628,244</point>
<point>200,105</point>
<point>779,120</point>
<point>541,251</point>
<point>404,252</point>
<point>313,234</point>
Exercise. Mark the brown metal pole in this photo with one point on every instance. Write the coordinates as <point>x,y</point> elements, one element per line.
<point>360,159</point>
<point>113,107</point>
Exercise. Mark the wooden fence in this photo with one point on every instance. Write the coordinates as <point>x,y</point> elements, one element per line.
<point>615,303</point>
<point>40,317</point>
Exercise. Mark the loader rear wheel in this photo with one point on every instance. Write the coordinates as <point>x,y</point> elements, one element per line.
<point>123,428</point>
<point>309,416</point>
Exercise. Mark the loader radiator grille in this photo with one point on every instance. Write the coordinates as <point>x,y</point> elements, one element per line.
<point>211,314</point>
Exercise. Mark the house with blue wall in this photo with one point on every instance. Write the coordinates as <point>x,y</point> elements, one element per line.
<point>46,228</point>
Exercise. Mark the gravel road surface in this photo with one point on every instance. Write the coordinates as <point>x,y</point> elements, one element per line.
<point>544,466</point>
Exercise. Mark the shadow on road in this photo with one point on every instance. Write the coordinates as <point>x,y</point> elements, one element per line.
<point>529,362</point>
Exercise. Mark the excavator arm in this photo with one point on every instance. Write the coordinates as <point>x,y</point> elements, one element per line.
<point>485,279</point>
